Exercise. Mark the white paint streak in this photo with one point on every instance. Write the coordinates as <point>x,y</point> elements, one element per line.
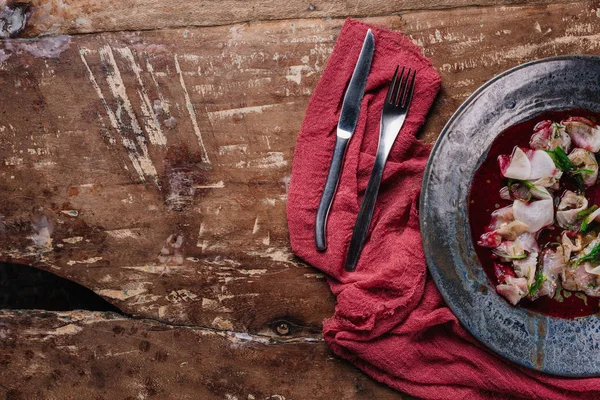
<point>151,269</point>
<point>123,294</point>
<point>273,159</point>
<point>233,149</point>
<point>218,185</point>
<point>141,162</point>
<point>74,239</point>
<point>294,73</point>
<point>91,260</point>
<point>111,115</point>
<point>163,101</point>
<point>182,295</point>
<point>256,226</point>
<point>192,113</point>
<point>153,128</point>
<point>123,233</point>
<point>244,110</point>
<point>69,329</point>
<point>253,272</point>
<point>280,255</point>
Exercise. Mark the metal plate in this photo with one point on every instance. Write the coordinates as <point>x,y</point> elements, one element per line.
<point>548,344</point>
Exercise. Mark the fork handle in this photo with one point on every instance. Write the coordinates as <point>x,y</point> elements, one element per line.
<point>329,192</point>
<point>363,221</point>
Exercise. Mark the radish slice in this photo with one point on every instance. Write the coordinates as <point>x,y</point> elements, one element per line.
<point>584,134</point>
<point>542,165</point>
<point>517,167</point>
<point>591,269</point>
<point>541,193</point>
<point>595,216</point>
<point>528,242</point>
<point>535,215</point>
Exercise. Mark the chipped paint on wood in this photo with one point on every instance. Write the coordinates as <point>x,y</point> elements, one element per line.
<point>153,127</point>
<point>181,295</point>
<point>122,294</point>
<point>223,114</point>
<point>137,149</point>
<point>218,185</point>
<point>91,260</point>
<point>272,159</point>
<point>123,233</point>
<point>73,240</point>
<point>191,111</point>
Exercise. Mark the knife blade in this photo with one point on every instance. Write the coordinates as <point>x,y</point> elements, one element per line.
<point>345,129</point>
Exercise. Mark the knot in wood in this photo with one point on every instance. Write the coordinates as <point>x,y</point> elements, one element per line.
<point>282,328</point>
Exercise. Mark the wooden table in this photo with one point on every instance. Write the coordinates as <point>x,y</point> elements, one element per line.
<point>146,155</point>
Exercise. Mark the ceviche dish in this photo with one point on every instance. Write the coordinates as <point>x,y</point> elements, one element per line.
<point>534,209</point>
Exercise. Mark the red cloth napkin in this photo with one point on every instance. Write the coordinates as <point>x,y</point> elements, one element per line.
<point>390,320</point>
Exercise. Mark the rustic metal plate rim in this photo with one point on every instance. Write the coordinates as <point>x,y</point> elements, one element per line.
<point>553,367</point>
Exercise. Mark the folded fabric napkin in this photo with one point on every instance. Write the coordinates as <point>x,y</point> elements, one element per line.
<point>390,320</point>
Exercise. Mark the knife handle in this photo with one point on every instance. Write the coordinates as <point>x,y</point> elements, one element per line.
<point>331,185</point>
<point>365,214</point>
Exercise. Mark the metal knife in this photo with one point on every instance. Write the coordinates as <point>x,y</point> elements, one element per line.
<point>345,129</point>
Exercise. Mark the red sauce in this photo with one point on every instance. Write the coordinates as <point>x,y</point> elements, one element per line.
<point>484,198</point>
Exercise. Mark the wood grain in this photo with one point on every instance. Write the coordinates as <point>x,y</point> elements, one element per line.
<point>54,17</point>
<point>152,166</point>
<point>102,356</point>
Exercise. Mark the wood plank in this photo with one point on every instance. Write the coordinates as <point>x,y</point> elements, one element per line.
<point>193,230</point>
<point>184,224</point>
<point>470,46</point>
<point>52,17</point>
<point>101,356</point>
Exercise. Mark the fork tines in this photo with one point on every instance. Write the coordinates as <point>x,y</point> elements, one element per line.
<point>400,90</point>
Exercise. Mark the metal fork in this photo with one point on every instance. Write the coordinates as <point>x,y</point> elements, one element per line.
<point>395,108</point>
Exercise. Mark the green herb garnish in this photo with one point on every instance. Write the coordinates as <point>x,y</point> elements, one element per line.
<point>537,283</point>
<point>583,171</point>
<point>582,297</point>
<point>510,257</point>
<point>555,130</point>
<point>513,187</point>
<point>561,160</point>
<point>591,256</point>
<point>585,214</point>
<point>558,295</point>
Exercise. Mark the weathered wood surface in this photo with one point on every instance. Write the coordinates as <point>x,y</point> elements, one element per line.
<point>54,17</point>
<point>95,356</point>
<point>152,166</point>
